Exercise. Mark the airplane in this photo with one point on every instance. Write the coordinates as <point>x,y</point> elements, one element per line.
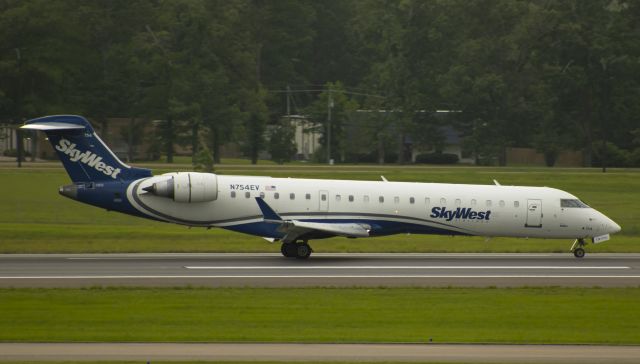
<point>294,211</point>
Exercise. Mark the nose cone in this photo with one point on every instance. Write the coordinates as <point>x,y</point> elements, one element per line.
<point>612,227</point>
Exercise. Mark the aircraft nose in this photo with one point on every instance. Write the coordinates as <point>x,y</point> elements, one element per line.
<point>612,227</point>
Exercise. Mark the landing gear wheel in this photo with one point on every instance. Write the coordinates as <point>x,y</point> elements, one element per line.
<point>303,251</point>
<point>289,250</point>
<point>577,248</point>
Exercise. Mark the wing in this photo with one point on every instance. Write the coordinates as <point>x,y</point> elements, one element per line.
<point>296,229</point>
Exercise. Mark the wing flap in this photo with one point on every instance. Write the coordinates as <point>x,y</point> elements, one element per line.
<point>340,229</point>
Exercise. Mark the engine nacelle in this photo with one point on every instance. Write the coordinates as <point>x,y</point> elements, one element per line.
<point>187,187</point>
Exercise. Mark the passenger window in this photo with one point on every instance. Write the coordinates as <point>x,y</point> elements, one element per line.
<point>338,198</point>
<point>443,201</point>
<point>381,199</point>
<point>488,203</point>
<point>323,197</point>
<point>233,194</point>
<point>276,195</point>
<point>247,194</point>
<point>307,196</point>
<point>350,198</point>
<point>365,198</point>
<point>458,202</point>
<point>501,203</point>
<point>262,195</point>
<point>292,196</point>
<point>516,204</point>
<point>412,200</point>
<point>473,202</point>
<point>396,200</point>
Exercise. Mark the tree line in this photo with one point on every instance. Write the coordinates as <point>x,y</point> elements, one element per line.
<point>552,75</point>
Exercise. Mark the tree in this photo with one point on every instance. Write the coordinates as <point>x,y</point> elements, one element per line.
<point>333,101</point>
<point>281,142</point>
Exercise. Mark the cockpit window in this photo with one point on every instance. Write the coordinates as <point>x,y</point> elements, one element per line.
<point>572,203</point>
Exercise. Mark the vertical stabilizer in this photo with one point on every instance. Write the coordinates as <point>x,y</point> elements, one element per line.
<point>83,154</point>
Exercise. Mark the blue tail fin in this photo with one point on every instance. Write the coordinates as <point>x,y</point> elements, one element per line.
<point>83,154</point>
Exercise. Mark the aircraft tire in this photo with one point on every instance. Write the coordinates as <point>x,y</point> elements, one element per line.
<point>289,250</point>
<point>303,251</point>
<point>578,253</point>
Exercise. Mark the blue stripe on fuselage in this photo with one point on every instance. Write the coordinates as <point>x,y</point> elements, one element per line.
<point>109,195</point>
<point>378,227</point>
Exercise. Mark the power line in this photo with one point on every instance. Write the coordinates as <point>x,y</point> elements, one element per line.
<point>332,90</point>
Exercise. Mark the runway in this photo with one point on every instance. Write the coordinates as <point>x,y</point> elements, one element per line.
<point>320,352</point>
<point>273,270</point>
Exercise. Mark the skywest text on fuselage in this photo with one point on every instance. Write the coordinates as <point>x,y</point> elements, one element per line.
<point>465,213</point>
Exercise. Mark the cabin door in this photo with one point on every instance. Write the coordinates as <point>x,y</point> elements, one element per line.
<point>534,213</point>
<point>324,201</point>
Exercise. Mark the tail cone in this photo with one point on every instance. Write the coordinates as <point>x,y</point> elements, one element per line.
<point>70,191</point>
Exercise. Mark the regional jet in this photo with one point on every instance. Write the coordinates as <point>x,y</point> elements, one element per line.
<point>294,211</point>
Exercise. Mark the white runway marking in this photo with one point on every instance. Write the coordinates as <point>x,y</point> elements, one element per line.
<point>316,276</point>
<point>403,267</point>
<point>125,256</point>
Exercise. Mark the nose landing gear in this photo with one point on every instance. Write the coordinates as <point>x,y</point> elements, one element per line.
<point>577,248</point>
<point>296,250</point>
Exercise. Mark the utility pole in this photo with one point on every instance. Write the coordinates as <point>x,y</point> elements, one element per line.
<point>19,141</point>
<point>168,132</point>
<point>288,104</point>
<point>329,106</point>
<point>19,146</point>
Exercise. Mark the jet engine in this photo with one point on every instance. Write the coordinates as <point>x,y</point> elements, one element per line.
<point>187,187</point>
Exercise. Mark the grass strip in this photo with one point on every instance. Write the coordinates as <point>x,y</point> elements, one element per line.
<point>551,315</point>
<point>227,362</point>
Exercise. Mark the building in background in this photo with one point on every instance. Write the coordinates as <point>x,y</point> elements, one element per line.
<point>307,136</point>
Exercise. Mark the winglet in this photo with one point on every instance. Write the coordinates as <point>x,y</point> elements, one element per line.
<point>267,211</point>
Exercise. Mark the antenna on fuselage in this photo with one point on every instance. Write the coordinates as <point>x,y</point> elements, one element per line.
<point>383,179</point>
<point>496,183</point>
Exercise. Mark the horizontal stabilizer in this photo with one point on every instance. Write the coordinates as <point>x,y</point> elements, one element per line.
<point>52,126</point>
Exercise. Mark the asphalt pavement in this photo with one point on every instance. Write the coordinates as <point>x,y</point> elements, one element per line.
<point>273,270</point>
<point>151,352</point>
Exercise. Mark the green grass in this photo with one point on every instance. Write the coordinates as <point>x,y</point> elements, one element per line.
<point>454,315</point>
<point>181,159</point>
<point>34,218</point>
<point>222,362</point>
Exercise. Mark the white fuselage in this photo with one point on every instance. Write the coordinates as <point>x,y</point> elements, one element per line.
<point>388,207</point>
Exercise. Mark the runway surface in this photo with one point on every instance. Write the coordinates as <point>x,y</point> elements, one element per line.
<point>322,352</point>
<point>273,270</point>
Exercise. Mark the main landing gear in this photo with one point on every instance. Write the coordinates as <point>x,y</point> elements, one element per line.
<point>296,250</point>
<point>577,248</point>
